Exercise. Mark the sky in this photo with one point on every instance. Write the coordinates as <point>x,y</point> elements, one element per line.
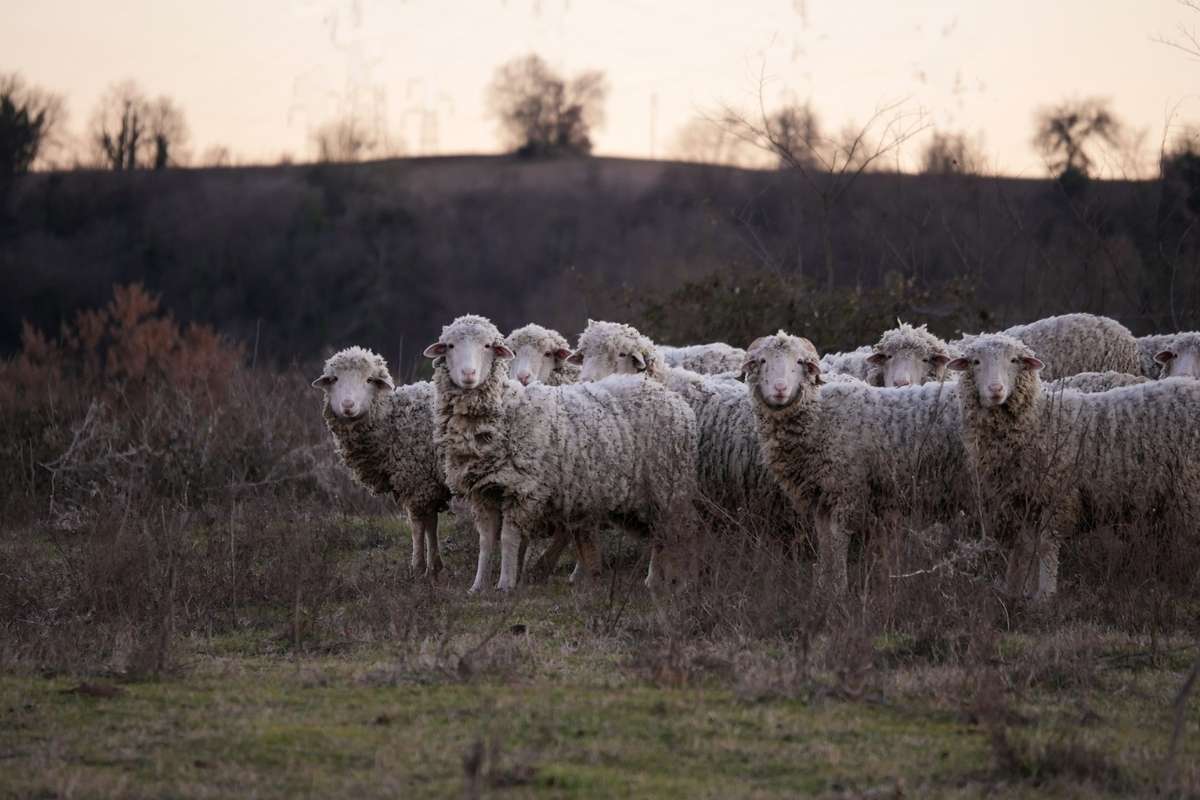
<point>258,76</point>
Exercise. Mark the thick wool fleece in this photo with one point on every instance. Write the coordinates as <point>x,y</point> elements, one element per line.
<point>617,337</point>
<point>1095,382</point>
<point>1120,454</point>
<point>390,449</point>
<point>915,339</point>
<point>1075,343</point>
<point>545,339</point>
<point>853,363</point>
<point>706,359</point>
<point>621,449</point>
<point>850,452</point>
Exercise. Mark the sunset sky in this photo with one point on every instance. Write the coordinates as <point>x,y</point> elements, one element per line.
<point>258,76</point>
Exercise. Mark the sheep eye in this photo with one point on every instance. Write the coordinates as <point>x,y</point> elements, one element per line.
<point>450,346</point>
<point>1014,361</point>
<point>547,354</point>
<point>331,379</point>
<point>976,362</point>
<point>621,355</point>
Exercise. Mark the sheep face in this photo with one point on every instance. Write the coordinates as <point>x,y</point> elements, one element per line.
<point>612,348</point>
<point>994,363</point>
<point>780,367</point>
<point>1182,358</point>
<point>533,363</point>
<point>909,367</point>
<point>470,347</point>
<point>351,381</point>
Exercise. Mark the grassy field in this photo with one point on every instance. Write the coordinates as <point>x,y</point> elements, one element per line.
<point>394,687</point>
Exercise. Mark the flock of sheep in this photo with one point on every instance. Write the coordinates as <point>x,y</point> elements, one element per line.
<point>1053,427</point>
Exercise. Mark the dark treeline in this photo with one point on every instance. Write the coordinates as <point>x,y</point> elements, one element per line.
<point>300,258</point>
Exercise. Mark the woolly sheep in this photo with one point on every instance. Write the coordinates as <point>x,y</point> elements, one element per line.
<point>1075,343</point>
<point>706,359</point>
<point>538,459</point>
<point>1095,381</point>
<point>732,473</point>
<point>540,356</point>
<point>1170,355</point>
<point>847,452</point>
<point>907,355</point>
<point>1046,457</point>
<point>384,435</point>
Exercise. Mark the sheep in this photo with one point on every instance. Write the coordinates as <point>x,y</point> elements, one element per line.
<point>540,356</point>
<point>384,435</point>
<point>907,355</point>
<point>1062,458</point>
<point>1075,343</point>
<point>706,359</point>
<point>534,460</point>
<point>847,452</point>
<point>1096,381</point>
<point>853,363</point>
<point>1170,355</point>
<point>732,474</point>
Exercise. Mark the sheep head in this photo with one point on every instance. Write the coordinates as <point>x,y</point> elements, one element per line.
<point>351,380</point>
<point>470,346</point>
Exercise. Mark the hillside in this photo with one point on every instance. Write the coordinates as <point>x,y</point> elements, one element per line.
<point>304,257</point>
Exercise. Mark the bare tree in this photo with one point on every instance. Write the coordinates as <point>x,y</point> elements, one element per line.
<point>950,154</point>
<point>30,123</point>
<point>168,133</point>
<point>1186,39</point>
<point>796,127</point>
<point>829,167</point>
<point>707,142</point>
<point>344,140</point>
<point>542,113</point>
<point>1066,131</point>
<point>129,131</point>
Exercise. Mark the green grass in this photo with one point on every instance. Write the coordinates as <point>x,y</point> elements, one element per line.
<point>577,704</point>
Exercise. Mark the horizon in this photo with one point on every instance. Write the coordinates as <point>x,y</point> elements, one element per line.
<point>301,63</point>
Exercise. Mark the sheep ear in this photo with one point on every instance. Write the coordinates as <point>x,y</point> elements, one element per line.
<point>382,382</point>
<point>562,354</point>
<point>501,350</point>
<point>939,360</point>
<point>959,365</point>
<point>1163,357</point>
<point>876,358</point>
<point>323,382</point>
<point>1032,363</point>
<point>639,361</point>
<point>576,358</point>
<point>434,350</point>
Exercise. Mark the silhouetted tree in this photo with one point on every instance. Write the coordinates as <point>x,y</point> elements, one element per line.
<point>798,132</point>
<point>542,113</point>
<point>29,118</point>
<point>343,140</point>
<point>1065,131</point>
<point>130,132</point>
<point>950,154</point>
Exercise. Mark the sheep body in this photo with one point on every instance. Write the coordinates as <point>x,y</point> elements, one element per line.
<point>390,448</point>
<point>1095,382</point>
<point>539,459</point>
<point>853,363</point>
<point>1073,343</point>
<point>706,359</point>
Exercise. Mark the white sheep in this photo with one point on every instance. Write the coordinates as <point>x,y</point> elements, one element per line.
<point>384,435</point>
<point>848,453</point>
<point>732,474</point>
<point>853,363</point>
<point>1170,355</point>
<point>706,359</point>
<point>1048,461</point>
<point>540,356</point>
<point>535,460</point>
<point>907,355</point>
<point>1073,343</point>
<point>1095,381</point>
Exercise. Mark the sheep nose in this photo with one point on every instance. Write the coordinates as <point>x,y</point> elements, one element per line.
<point>901,382</point>
<point>995,388</point>
<point>780,387</point>
<point>523,377</point>
<point>468,372</point>
<point>347,405</point>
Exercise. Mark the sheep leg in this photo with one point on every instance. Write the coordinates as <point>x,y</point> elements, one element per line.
<point>511,540</point>
<point>416,527</point>
<point>433,553</point>
<point>545,565</point>
<point>587,558</point>
<point>522,554</point>
<point>654,576</point>
<point>832,544</point>
<point>487,522</point>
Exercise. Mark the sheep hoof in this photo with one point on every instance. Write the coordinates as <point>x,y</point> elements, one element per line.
<point>475,589</point>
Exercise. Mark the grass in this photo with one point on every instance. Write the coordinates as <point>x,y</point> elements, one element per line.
<point>545,694</point>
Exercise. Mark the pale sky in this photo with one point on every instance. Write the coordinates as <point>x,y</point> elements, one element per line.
<point>258,75</point>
